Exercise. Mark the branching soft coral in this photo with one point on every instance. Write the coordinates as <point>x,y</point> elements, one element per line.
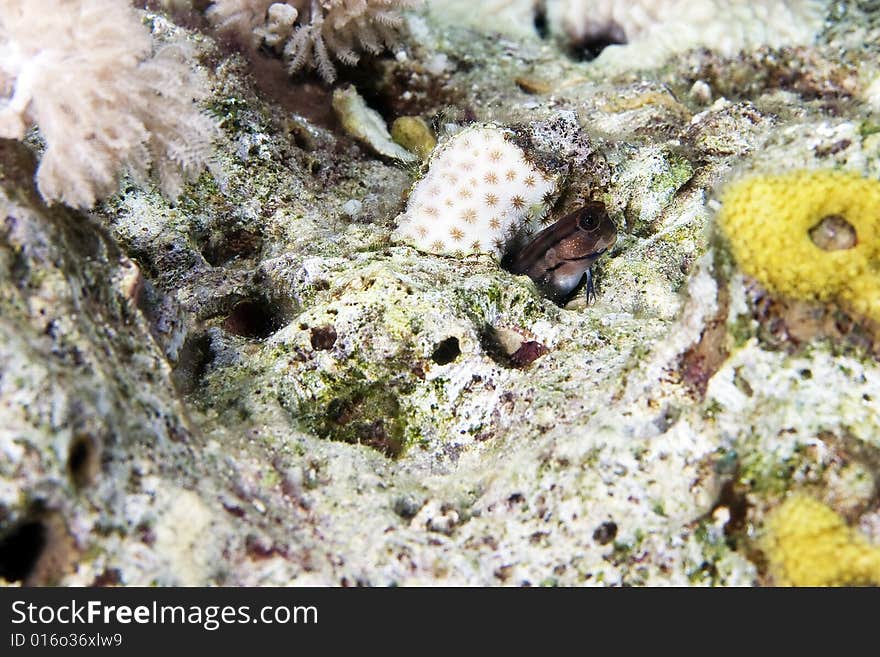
<point>310,30</point>
<point>82,72</point>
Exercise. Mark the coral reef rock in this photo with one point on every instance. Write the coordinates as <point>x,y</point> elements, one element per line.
<point>262,384</point>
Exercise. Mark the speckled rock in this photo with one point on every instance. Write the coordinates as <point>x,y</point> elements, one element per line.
<point>261,372</point>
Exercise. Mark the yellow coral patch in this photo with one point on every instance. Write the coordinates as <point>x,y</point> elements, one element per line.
<point>808,544</point>
<point>768,220</point>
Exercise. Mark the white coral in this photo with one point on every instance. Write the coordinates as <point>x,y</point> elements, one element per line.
<point>479,190</point>
<point>241,16</point>
<point>586,20</point>
<point>656,29</point>
<point>311,30</point>
<point>81,71</point>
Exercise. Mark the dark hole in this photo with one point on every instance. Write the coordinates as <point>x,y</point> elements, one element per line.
<point>85,240</point>
<point>446,352</point>
<point>605,533</point>
<point>79,455</point>
<point>364,79</point>
<point>540,21</point>
<point>254,319</point>
<point>593,45</point>
<point>20,550</point>
<point>192,363</point>
<point>82,459</point>
<point>734,498</point>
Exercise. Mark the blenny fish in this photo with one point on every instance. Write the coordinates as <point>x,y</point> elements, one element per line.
<point>558,259</point>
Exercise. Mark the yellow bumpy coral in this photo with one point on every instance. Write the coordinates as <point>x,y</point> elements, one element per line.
<point>768,220</point>
<point>808,544</point>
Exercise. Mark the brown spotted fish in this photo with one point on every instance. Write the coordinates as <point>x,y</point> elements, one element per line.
<point>558,259</point>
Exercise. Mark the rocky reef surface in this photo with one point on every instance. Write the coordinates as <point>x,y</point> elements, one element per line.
<point>258,385</point>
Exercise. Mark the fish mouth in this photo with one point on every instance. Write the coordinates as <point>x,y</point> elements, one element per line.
<point>606,243</point>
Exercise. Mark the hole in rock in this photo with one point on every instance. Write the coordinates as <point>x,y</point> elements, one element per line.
<point>446,352</point>
<point>20,550</point>
<point>591,45</point>
<point>254,319</point>
<point>539,20</point>
<point>83,459</point>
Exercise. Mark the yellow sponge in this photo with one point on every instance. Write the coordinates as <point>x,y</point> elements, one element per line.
<point>768,220</point>
<point>808,544</point>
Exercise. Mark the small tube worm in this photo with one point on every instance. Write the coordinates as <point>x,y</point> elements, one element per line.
<point>558,259</point>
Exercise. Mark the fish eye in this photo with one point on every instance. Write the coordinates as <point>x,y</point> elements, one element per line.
<point>591,217</point>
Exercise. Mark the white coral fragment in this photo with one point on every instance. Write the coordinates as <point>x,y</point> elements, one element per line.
<point>478,191</point>
<point>310,31</point>
<point>366,124</point>
<point>81,71</point>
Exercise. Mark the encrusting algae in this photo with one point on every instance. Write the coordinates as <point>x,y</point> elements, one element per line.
<point>779,226</point>
<point>808,544</point>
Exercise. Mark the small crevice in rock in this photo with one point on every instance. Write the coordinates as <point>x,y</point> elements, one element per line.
<point>591,45</point>
<point>20,550</point>
<point>447,351</point>
<point>192,364</point>
<point>256,319</point>
<point>84,459</point>
<point>39,550</point>
<point>539,20</point>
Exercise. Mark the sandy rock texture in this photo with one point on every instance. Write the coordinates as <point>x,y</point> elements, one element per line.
<point>258,385</point>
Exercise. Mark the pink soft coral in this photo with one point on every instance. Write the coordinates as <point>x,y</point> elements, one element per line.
<point>82,72</point>
<point>310,30</point>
